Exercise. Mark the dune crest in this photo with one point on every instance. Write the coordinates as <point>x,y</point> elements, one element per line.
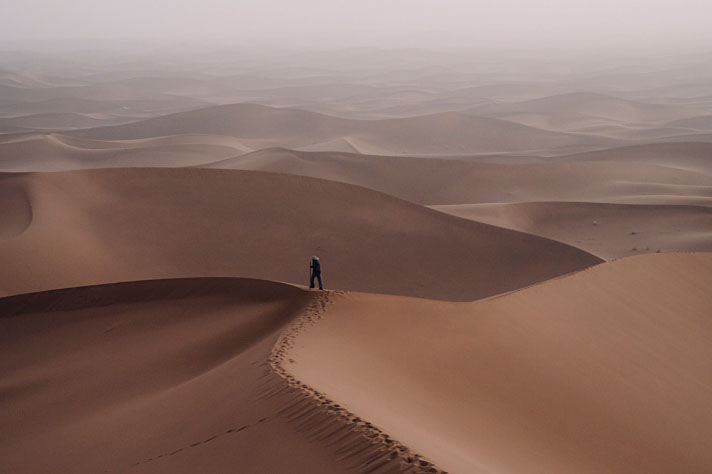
<point>446,133</point>
<point>166,376</point>
<point>606,370</point>
<point>101,226</point>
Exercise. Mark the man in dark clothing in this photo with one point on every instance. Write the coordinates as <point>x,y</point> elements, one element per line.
<point>315,272</point>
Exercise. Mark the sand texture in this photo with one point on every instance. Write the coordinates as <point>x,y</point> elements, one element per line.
<point>606,370</point>
<point>99,226</point>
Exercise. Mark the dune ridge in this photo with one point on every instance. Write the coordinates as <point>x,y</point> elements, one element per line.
<point>169,376</point>
<point>442,133</point>
<point>614,175</point>
<point>605,370</point>
<point>604,229</point>
<point>101,226</point>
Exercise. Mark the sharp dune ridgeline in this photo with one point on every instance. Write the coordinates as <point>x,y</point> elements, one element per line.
<point>89,227</point>
<point>606,370</point>
<point>165,376</point>
<point>515,248</point>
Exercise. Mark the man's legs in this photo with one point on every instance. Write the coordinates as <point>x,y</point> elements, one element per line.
<point>318,275</point>
<point>311,281</point>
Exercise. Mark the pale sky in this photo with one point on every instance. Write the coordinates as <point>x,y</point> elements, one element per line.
<point>395,23</point>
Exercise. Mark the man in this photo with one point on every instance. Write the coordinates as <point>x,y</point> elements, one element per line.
<point>315,272</point>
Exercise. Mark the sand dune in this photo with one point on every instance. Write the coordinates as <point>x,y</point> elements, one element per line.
<point>166,367</point>
<point>607,370</point>
<point>690,156</point>
<point>606,230</point>
<point>59,152</point>
<point>509,91</point>
<point>101,226</point>
<point>120,97</point>
<point>62,105</point>
<point>437,181</point>
<point>163,376</point>
<point>58,121</point>
<point>446,133</point>
<point>703,122</point>
<point>664,173</point>
<point>576,111</point>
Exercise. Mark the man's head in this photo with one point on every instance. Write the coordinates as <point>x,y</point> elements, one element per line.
<point>314,257</point>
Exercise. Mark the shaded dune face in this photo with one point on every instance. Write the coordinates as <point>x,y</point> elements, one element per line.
<point>15,208</point>
<point>605,370</point>
<point>157,377</point>
<point>101,226</point>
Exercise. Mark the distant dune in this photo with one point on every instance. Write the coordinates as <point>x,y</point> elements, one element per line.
<point>701,123</point>
<point>60,152</point>
<point>446,133</point>
<point>663,172</point>
<point>62,105</point>
<point>58,121</point>
<point>576,110</point>
<point>607,370</point>
<point>606,230</point>
<point>127,224</point>
<point>692,156</point>
<point>627,172</point>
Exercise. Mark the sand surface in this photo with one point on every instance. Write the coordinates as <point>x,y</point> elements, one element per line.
<point>452,178</point>
<point>606,230</point>
<point>163,377</point>
<point>99,226</point>
<point>444,133</point>
<point>606,370</point>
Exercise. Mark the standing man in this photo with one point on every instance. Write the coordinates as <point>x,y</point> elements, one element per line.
<point>315,272</point>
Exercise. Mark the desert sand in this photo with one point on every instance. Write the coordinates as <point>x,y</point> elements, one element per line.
<point>100,226</point>
<point>163,376</point>
<point>606,230</point>
<point>481,221</point>
<point>606,370</point>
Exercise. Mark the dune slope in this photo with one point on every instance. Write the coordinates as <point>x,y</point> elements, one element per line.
<point>163,377</point>
<point>440,181</point>
<point>101,226</point>
<point>606,230</point>
<point>606,370</point>
<point>56,152</point>
<point>445,133</point>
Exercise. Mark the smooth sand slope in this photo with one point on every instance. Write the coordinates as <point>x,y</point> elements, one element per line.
<point>164,377</point>
<point>606,230</point>
<point>623,176</point>
<point>55,152</point>
<point>99,226</point>
<point>262,126</point>
<point>575,109</point>
<point>607,370</point>
<point>673,173</point>
<point>664,174</point>
<point>58,121</point>
<point>691,156</point>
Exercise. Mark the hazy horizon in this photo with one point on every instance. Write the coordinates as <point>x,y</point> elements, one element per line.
<point>449,24</point>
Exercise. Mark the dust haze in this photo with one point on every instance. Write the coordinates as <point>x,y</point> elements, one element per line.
<point>459,24</point>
